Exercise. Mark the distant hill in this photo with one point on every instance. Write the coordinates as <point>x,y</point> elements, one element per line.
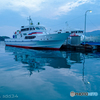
<point>2,38</point>
<point>93,33</point>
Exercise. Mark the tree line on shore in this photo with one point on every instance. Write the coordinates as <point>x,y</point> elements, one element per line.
<point>2,38</point>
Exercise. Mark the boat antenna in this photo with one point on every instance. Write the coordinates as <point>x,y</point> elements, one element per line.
<point>68,27</point>
<point>30,21</point>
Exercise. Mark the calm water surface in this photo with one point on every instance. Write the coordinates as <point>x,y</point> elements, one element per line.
<point>27,74</point>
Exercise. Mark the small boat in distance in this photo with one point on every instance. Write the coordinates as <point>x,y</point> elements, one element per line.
<point>36,37</point>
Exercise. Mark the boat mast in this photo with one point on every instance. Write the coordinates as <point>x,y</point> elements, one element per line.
<point>30,21</point>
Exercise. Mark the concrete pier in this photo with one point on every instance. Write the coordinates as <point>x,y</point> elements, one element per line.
<point>74,44</point>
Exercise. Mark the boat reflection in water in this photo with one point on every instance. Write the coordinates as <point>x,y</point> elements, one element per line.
<point>36,60</point>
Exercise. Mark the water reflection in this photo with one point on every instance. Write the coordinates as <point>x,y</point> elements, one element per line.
<point>73,57</point>
<point>56,73</point>
<point>83,78</point>
<point>35,60</point>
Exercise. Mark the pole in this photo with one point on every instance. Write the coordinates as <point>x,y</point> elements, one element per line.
<point>85,24</point>
<point>85,28</point>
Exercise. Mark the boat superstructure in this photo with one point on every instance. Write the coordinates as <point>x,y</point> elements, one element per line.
<point>36,37</point>
<point>77,32</point>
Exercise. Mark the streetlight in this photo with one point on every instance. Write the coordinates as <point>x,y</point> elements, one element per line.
<point>85,24</point>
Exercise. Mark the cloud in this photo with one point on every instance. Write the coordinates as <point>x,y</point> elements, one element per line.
<point>69,6</point>
<point>43,8</point>
<point>21,5</point>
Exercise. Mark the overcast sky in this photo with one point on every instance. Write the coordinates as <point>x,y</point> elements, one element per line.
<point>53,14</point>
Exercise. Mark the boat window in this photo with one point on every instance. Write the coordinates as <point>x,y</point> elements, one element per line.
<point>30,28</point>
<point>80,31</point>
<point>30,37</point>
<point>37,28</point>
<point>42,28</point>
<point>24,33</point>
<point>59,32</point>
<point>73,31</point>
<point>25,29</point>
<point>33,28</point>
<point>67,31</point>
<point>22,26</point>
<point>76,31</point>
<point>22,29</point>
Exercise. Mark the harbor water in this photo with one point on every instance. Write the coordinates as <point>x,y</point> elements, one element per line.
<point>27,74</point>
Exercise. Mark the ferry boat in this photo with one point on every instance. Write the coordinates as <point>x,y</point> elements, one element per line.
<point>36,37</point>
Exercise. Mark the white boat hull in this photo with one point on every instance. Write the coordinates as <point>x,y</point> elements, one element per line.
<point>50,41</point>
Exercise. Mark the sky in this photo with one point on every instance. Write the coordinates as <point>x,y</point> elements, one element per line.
<point>53,14</point>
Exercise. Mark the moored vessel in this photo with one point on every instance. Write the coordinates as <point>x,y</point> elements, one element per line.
<point>36,37</point>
